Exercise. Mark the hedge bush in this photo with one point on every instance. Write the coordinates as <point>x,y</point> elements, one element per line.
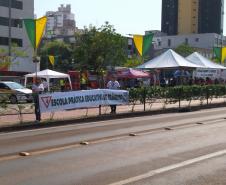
<point>176,94</point>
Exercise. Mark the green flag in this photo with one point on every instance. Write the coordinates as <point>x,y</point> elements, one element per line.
<point>30,27</point>
<point>220,54</point>
<point>35,29</point>
<point>143,43</point>
<point>217,53</point>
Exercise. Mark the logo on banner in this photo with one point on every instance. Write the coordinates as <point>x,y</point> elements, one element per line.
<point>46,100</point>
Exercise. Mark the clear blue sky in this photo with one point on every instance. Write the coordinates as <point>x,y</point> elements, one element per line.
<point>127,16</point>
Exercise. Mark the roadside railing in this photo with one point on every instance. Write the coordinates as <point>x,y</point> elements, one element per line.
<point>179,96</point>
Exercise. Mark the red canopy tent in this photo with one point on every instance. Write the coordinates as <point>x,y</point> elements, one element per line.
<point>132,73</point>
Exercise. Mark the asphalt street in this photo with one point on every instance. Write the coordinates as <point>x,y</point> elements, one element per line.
<point>179,148</point>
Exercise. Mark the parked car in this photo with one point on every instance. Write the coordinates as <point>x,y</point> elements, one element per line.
<point>15,92</point>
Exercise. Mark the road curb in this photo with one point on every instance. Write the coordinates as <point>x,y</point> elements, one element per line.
<point>104,117</point>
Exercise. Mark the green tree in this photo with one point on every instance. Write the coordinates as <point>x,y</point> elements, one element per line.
<point>133,62</point>
<point>99,48</point>
<point>6,61</point>
<point>62,54</point>
<point>185,50</point>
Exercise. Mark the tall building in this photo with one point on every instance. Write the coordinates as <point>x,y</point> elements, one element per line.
<point>61,22</point>
<point>170,16</point>
<point>192,16</point>
<point>187,16</point>
<point>12,31</point>
<point>211,16</point>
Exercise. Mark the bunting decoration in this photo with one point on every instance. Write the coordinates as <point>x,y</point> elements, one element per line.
<point>52,59</point>
<point>220,54</point>
<point>35,29</point>
<point>143,43</point>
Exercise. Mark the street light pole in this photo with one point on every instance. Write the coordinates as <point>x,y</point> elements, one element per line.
<point>10,27</point>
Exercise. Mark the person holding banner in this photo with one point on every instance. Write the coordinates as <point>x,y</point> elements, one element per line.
<point>113,84</point>
<point>37,89</point>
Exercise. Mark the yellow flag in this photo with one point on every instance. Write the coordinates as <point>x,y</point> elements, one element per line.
<point>143,43</point>
<point>138,40</point>
<point>40,25</point>
<point>223,55</point>
<point>52,60</point>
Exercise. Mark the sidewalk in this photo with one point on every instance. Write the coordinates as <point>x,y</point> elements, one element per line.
<point>7,120</point>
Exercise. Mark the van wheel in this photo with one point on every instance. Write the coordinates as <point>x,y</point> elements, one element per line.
<point>13,99</point>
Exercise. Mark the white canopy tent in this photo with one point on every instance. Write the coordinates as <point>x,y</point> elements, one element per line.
<point>48,74</point>
<point>198,59</point>
<point>209,69</point>
<point>168,60</point>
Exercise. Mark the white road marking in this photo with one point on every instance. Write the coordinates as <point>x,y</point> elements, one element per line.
<point>169,168</point>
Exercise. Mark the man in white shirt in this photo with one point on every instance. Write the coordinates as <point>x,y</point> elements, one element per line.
<point>113,84</point>
<point>36,89</point>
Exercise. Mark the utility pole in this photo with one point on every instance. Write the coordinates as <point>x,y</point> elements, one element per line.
<point>222,46</point>
<point>222,30</point>
<point>10,27</point>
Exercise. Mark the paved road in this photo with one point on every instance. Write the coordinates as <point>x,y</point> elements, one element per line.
<point>209,172</point>
<point>182,148</point>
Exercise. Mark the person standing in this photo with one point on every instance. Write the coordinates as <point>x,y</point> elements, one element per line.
<point>37,89</point>
<point>83,81</point>
<point>62,85</point>
<point>114,85</point>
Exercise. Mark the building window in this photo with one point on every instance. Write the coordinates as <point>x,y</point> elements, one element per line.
<point>18,42</point>
<point>17,4</point>
<point>4,41</point>
<point>169,42</point>
<point>14,3</point>
<point>159,43</point>
<point>17,23</point>
<point>4,21</point>
<point>4,3</point>
<point>216,41</point>
<point>186,40</point>
<point>129,47</point>
<point>224,42</point>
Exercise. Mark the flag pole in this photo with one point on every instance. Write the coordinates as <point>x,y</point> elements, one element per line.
<point>36,65</point>
<point>35,61</point>
<point>222,45</point>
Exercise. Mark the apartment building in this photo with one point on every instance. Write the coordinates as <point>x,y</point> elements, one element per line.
<point>61,22</point>
<point>12,32</point>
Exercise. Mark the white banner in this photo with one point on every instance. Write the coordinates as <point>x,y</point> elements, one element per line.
<point>58,101</point>
<point>210,73</point>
